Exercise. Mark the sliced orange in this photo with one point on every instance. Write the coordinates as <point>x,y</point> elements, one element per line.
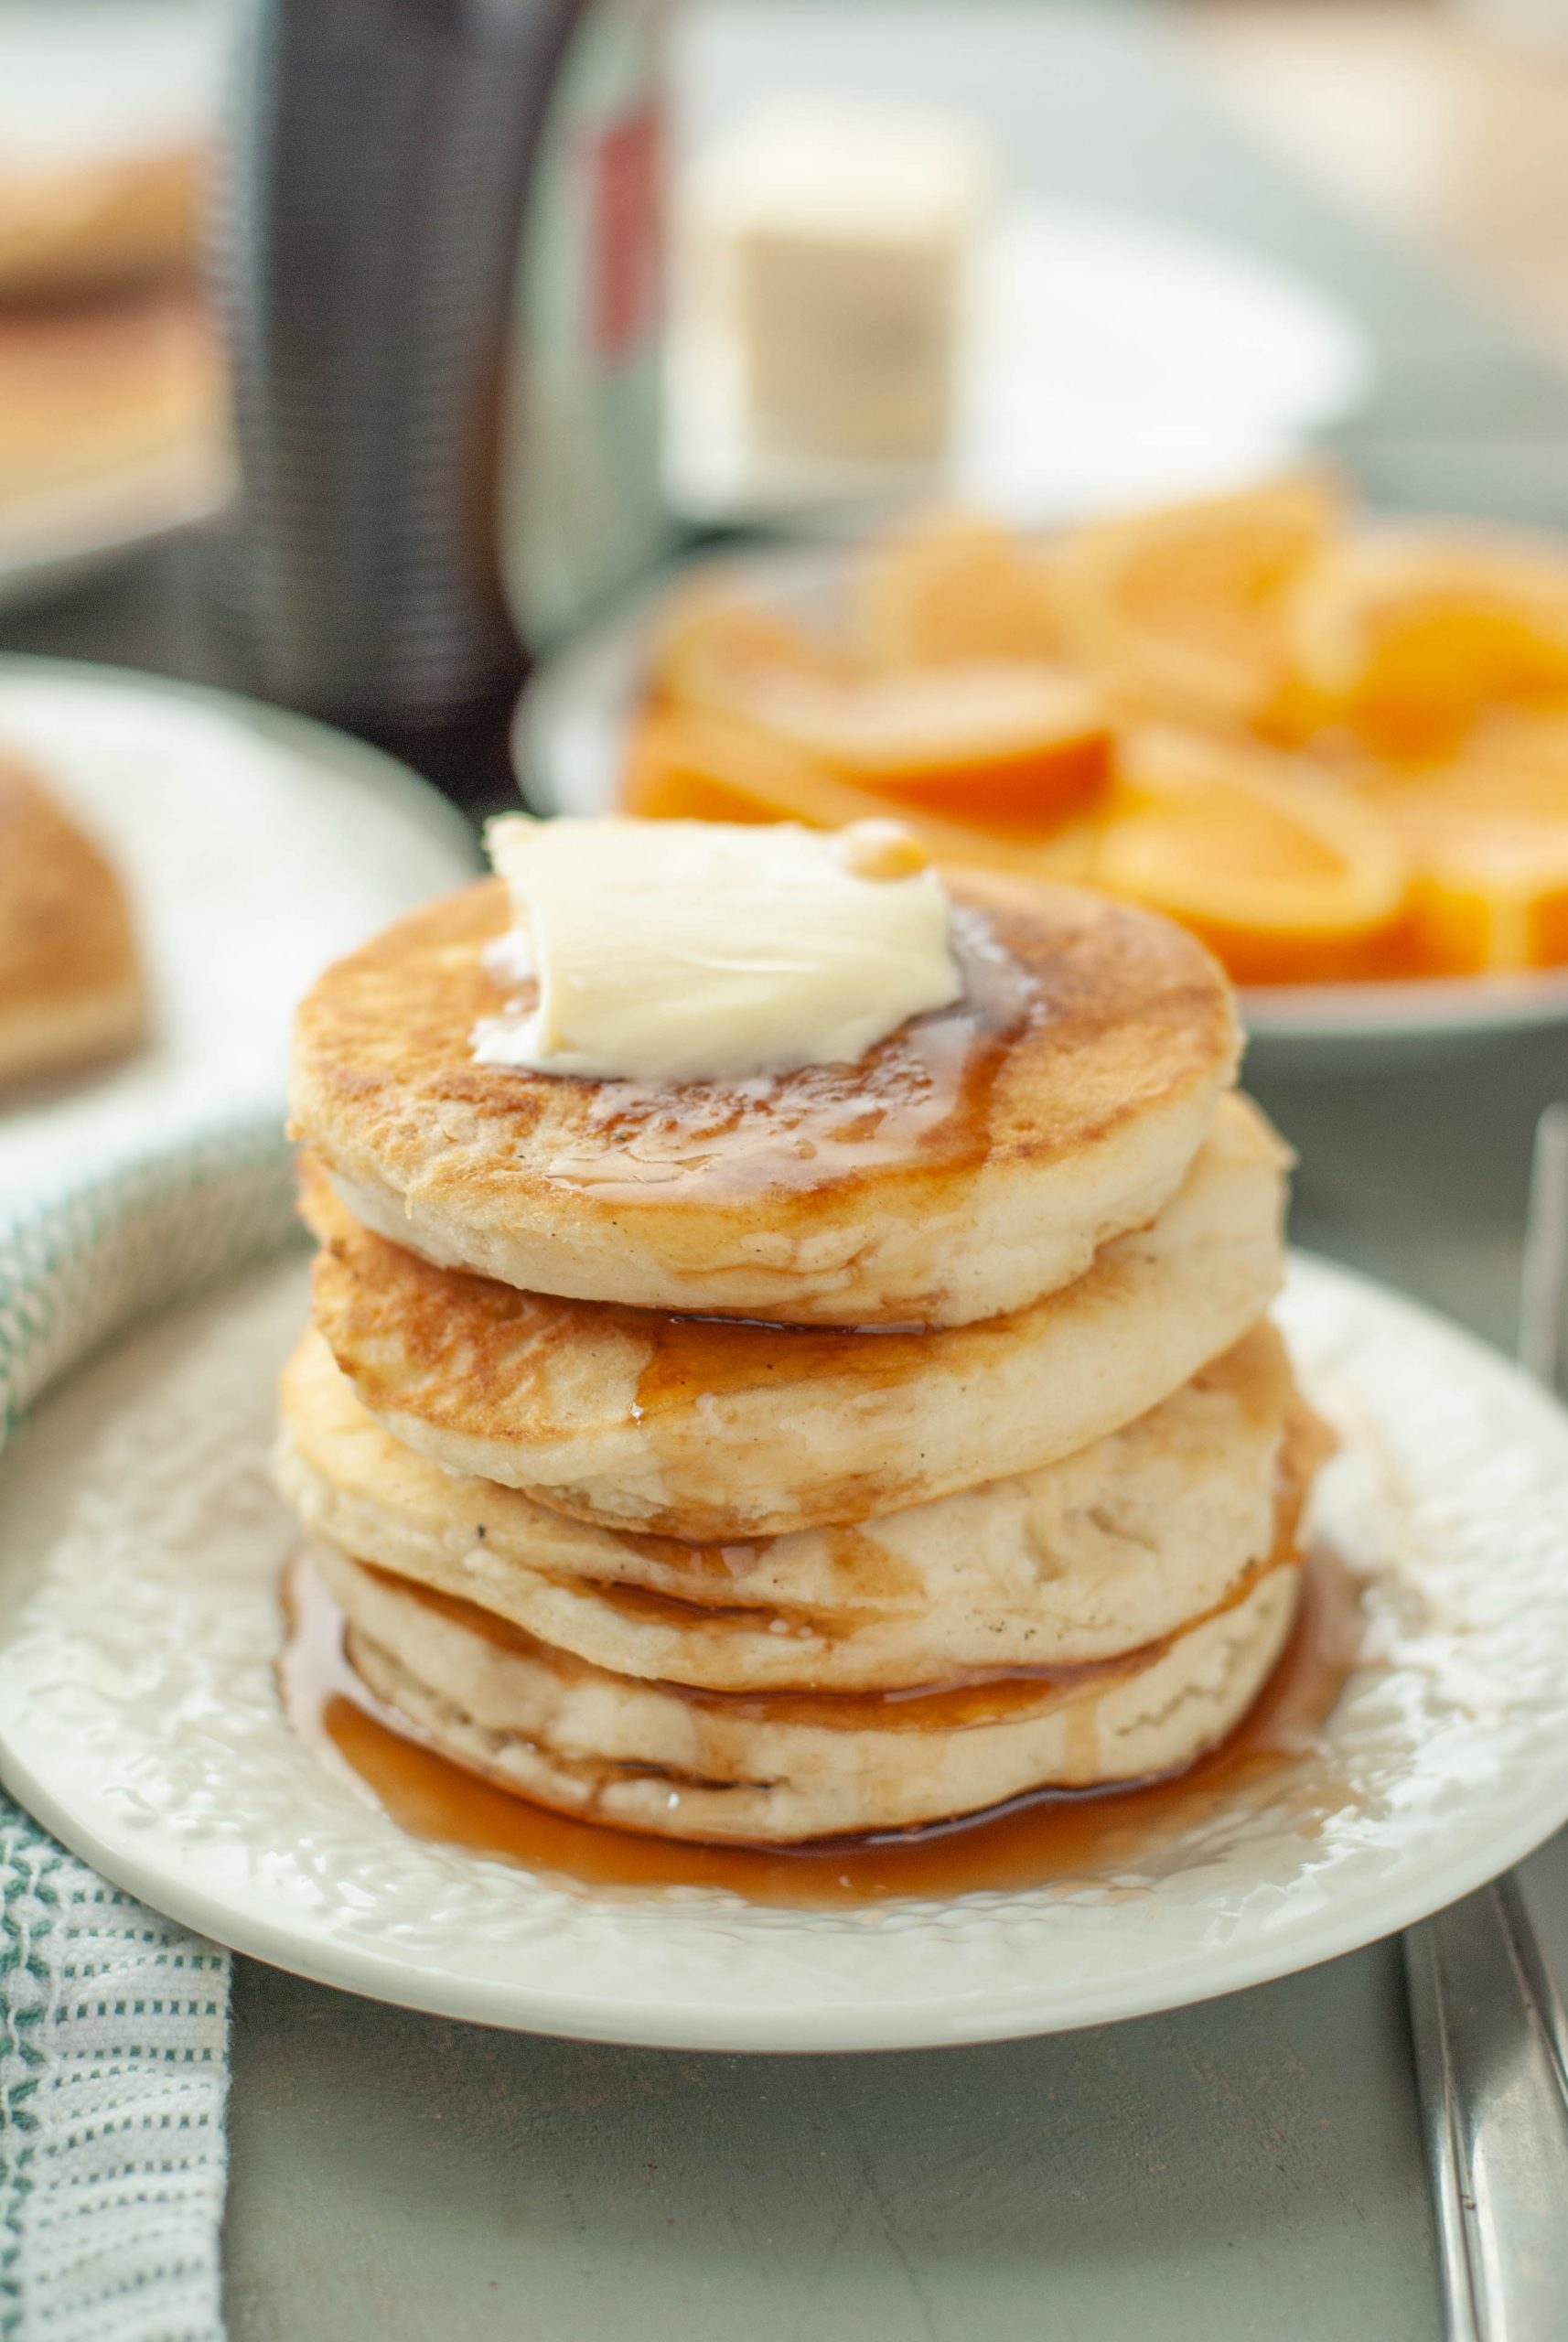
<point>1475,788</point>
<point>712,639</point>
<point>1287,874</point>
<point>1512,740</point>
<point>1489,845</point>
<point>1181,611</point>
<point>1413,635</point>
<point>947,589</point>
<point>1491,900</point>
<point>997,742</point>
<point>691,765</point>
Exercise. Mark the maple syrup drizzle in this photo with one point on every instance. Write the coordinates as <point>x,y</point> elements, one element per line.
<point>919,1099</point>
<point>693,1357</point>
<point>1044,1836</point>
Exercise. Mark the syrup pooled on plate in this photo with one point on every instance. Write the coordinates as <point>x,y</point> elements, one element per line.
<point>1048,1836</point>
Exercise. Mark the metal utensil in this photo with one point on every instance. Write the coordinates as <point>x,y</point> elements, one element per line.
<point>1543,1290</point>
<point>1490,2037</point>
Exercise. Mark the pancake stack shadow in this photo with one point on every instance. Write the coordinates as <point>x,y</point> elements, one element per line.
<point>840,1454</point>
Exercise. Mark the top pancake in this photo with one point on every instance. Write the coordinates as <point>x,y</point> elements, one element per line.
<point>977,1159</point>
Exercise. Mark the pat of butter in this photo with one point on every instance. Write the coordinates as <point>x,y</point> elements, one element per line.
<point>702,951</point>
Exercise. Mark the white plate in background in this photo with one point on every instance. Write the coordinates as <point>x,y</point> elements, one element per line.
<point>254,848</point>
<point>140,1552</point>
<point>95,81</point>
<point>1109,360</point>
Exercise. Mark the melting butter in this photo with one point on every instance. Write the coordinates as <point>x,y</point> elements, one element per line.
<point>697,950</point>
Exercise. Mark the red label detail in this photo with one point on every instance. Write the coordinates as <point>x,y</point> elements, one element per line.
<point>625,182</point>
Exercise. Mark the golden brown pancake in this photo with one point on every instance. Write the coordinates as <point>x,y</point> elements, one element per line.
<point>1102,1552</point>
<point>976,1159</point>
<point>780,1768</point>
<point>71,989</point>
<point>99,227</point>
<point>104,388</point>
<point>711,1430</point>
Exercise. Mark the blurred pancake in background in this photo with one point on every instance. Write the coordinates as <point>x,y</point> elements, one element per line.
<point>112,397</point>
<point>250,847</point>
<point>106,111</point>
<point>71,987</point>
<point>91,393</point>
<point>94,226</point>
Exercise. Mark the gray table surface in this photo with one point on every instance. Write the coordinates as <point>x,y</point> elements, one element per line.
<point>1250,2167</point>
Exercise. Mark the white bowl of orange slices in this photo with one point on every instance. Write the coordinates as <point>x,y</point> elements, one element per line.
<point>1335,747</point>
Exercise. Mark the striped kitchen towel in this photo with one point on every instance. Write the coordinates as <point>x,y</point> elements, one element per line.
<point>114,2022</point>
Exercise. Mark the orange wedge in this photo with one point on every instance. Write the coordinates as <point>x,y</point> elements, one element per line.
<point>1491,900</point>
<point>1000,743</point>
<point>693,765</point>
<point>1287,875</point>
<point>711,639</point>
<point>948,589</point>
<point>1489,847</point>
<point>1532,740</point>
<point>1412,635</point>
<point>1181,611</point>
<point>1475,788</point>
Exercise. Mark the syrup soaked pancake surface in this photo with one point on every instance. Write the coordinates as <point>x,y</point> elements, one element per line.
<point>70,980</point>
<point>975,1159</point>
<point>714,1430</point>
<point>1104,1552</point>
<point>783,1766</point>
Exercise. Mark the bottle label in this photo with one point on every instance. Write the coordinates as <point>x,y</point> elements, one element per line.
<point>581,511</point>
<point>626,159</point>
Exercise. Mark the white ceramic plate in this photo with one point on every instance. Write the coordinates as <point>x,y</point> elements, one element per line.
<point>254,847</point>
<point>569,744</point>
<point>140,1548</point>
<point>1110,359</point>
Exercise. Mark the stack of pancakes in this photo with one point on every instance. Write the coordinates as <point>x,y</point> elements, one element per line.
<point>839,1452</point>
